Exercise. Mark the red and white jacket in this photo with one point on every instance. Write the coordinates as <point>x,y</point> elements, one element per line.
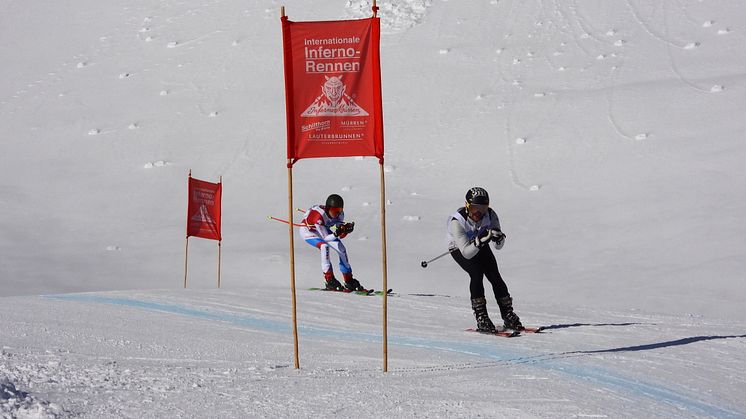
<point>318,224</point>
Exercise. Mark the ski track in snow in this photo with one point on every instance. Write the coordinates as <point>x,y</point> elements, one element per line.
<point>554,362</point>
<point>573,25</point>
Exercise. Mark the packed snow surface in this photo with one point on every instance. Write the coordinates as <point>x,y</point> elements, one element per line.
<point>608,133</point>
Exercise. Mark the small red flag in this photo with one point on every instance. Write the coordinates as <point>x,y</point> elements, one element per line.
<point>203,213</point>
<point>333,88</point>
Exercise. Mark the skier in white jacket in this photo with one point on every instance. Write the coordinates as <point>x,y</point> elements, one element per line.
<point>470,230</point>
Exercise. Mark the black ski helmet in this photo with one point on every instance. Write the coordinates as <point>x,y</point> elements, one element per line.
<point>335,201</point>
<point>477,195</point>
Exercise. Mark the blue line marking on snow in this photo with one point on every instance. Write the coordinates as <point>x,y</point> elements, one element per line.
<point>548,361</point>
<point>242,320</point>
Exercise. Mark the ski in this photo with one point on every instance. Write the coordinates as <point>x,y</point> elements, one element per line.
<point>506,333</point>
<point>533,329</point>
<point>362,292</point>
<point>509,333</point>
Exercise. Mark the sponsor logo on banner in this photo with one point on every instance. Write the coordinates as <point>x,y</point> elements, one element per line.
<point>203,196</point>
<point>317,126</point>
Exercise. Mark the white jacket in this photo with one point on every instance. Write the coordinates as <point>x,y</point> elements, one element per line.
<point>462,230</point>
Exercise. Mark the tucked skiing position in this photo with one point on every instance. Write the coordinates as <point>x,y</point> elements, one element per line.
<point>470,230</point>
<point>324,228</point>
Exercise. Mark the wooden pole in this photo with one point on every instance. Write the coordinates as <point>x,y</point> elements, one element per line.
<point>292,243</point>
<point>375,9</point>
<point>220,247</point>
<point>384,270</point>
<point>186,250</point>
<point>220,242</point>
<point>186,261</point>
<point>292,262</point>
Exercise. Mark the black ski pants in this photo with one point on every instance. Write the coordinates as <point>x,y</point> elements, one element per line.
<point>483,264</point>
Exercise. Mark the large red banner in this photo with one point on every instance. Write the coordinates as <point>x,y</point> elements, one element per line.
<point>333,88</point>
<point>203,213</point>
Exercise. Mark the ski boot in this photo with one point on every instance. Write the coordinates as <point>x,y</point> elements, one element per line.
<point>331,283</point>
<point>352,284</point>
<point>510,319</point>
<point>484,324</point>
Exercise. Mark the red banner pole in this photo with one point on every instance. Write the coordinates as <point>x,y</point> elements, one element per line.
<point>186,249</point>
<point>292,263</point>
<point>288,62</point>
<point>384,270</point>
<point>220,247</point>
<point>220,242</point>
<point>186,261</point>
<point>379,153</point>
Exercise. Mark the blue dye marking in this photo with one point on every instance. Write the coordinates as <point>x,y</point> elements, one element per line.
<point>547,361</point>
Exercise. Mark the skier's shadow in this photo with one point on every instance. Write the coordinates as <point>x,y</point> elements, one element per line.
<point>646,347</point>
<point>659,345</point>
<point>565,326</point>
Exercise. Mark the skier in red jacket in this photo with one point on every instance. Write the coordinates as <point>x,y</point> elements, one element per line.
<point>324,228</point>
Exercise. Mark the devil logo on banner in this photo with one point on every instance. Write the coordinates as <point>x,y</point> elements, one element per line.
<point>333,101</point>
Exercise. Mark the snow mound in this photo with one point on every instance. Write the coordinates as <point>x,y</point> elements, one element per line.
<point>15,403</point>
<point>396,17</point>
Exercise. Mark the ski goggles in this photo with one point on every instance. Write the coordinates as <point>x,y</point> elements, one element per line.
<point>477,208</point>
<point>334,211</point>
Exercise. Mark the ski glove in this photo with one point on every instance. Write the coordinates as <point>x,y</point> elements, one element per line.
<point>343,230</point>
<point>483,238</point>
<point>347,228</point>
<point>498,237</point>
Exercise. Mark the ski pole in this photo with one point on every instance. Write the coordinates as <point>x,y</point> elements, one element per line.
<point>285,221</point>
<point>425,262</point>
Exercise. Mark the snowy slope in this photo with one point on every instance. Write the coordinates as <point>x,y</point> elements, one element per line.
<point>607,132</point>
<point>227,354</point>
